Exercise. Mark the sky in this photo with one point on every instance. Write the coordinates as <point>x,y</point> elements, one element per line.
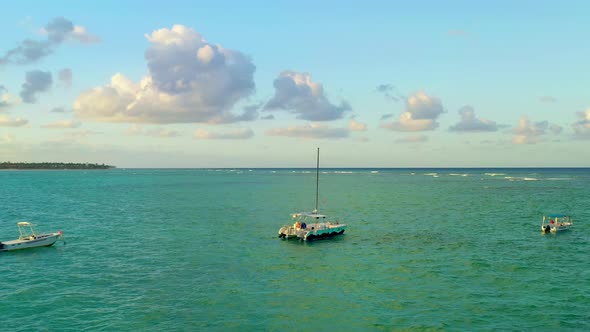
<point>140,84</point>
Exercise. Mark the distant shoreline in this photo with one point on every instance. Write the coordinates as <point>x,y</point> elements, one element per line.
<point>52,166</point>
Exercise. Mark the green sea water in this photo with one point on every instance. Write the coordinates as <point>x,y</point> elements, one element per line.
<point>197,250</point>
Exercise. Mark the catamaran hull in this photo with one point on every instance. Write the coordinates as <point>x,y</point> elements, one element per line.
<point>43,240</point>
<point>290,232</point>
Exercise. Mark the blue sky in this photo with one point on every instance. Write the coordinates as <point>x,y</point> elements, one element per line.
<point>261,84</point>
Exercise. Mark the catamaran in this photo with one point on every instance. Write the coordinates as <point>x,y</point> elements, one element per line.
<point>29,238</point>
<point>554,223</point>
<point>308,226</point>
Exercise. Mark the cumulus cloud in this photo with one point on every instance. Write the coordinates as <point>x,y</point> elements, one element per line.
<point>389,92</point>
<point>6,121</point>
<point>64,124</point>
<point>313,130</point>
<point>65,76</point>
<point>81,35</point>
<point>407,123</point>
<point>190,80</point>
<point>240,133</point>
<point>421,114</point>
<point>57,31</point>
<point>412,139</point>
<point>582,127</point>
<point>4,98</point>
<point>357,126</point>
<point>27,52</point>
<point>298,94</point>
<point>469,123</point>
<point>528,132</point>
<point>36,81</point>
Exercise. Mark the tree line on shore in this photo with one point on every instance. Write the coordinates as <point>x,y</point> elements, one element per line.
<point>52,165</point>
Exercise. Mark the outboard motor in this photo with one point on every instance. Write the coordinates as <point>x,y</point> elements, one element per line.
<point>547,229</point>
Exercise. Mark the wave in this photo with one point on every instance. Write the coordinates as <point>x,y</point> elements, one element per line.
<point>512,178</point>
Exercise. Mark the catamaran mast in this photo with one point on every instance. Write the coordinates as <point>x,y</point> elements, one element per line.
<point>317,182</point>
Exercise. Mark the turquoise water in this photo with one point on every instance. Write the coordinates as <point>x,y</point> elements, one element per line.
<point>198,250</point>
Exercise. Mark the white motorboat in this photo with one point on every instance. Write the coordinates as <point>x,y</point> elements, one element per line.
<point>29,238</point>
<point>554,223</point>
<point>309,226</point>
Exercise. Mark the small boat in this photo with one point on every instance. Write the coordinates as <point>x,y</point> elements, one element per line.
<point>553,223</point>
<point>308,226</point>
<point>29,238</point>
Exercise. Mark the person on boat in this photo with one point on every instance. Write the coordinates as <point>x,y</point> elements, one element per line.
<point>303,225</point>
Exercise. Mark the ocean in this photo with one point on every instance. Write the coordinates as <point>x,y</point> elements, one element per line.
<point>197,250</point>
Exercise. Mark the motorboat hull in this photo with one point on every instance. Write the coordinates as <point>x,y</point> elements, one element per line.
<point>556,229</point>
<point>41,240</point>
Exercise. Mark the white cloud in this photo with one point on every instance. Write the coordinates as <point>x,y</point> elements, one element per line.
<point>582,127</point>
<point>182,86</point>
<point>527,132</point>
<point>469,123</point>
<point>313,130</point>
<point>80,34</point>
<point>6,121</point>
<point>64,124</point>
<point>357,126</point>
<point>241,133</point>
<point>298,94</point>
<point>421,114</point>
<point>57,31</point>
<point>36,81</point>
<point>4,97</point>
<point>389,91</point>
<point>407,123</point>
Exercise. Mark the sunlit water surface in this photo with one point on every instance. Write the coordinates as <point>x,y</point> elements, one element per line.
<point>437,249</point>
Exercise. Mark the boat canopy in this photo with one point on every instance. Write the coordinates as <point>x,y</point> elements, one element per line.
<point>557,215</point>
<point>308,214</point>
<point>24,223</point>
